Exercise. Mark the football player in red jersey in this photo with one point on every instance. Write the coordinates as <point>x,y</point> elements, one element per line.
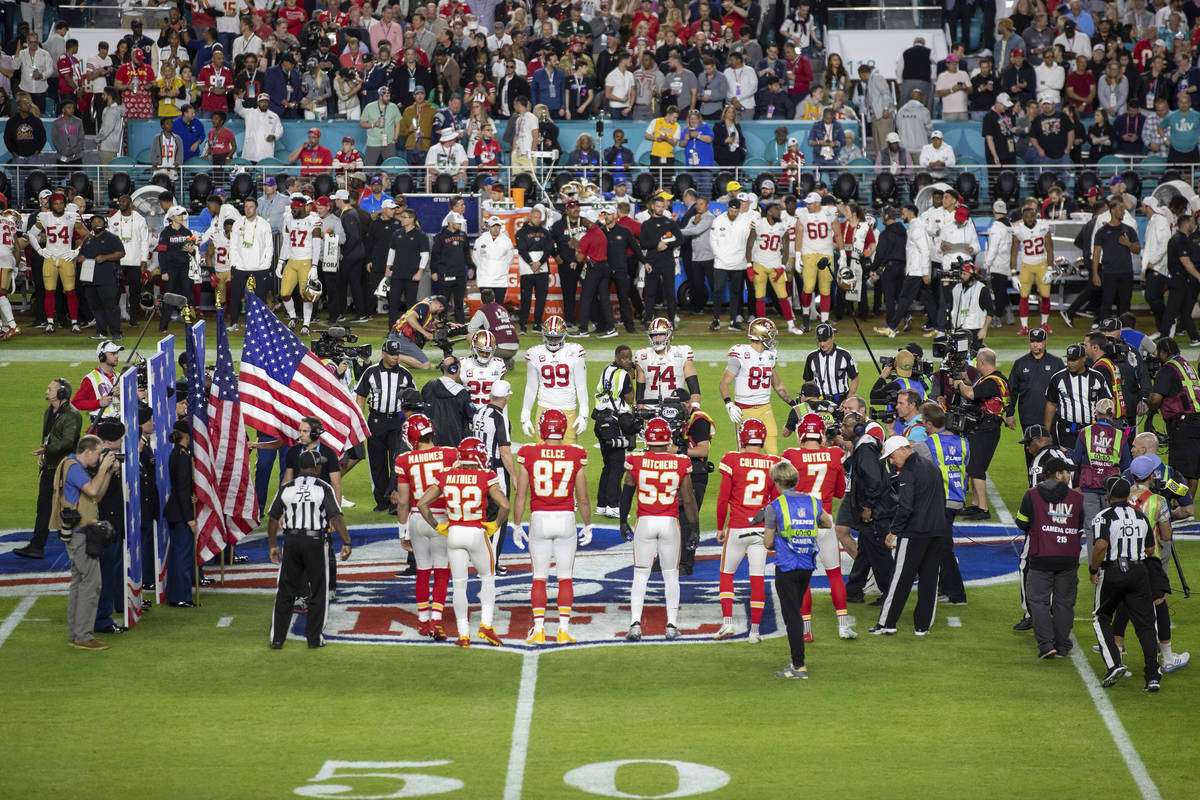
<point>416,471</point>
<point>467,486</point>
<point>821,474</point>
<point>661,479</point>
<point>746,487</point>
<point>552,478</point>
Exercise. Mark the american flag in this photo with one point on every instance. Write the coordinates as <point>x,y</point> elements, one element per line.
<point>282,382</point>
<point>226,506</point>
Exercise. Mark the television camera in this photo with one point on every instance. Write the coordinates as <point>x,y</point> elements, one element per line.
<point>338,343</point>
<point>955,351</point>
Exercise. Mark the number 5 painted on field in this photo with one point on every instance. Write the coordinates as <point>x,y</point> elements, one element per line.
<point>412,784</point>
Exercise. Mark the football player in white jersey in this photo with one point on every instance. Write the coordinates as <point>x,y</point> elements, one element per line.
<point>11,247</point>
<point>556,378</point>
<point>818,235</point>
<point>1032,254</point>
<point>299,254</point>
<point>59,227</point>
<point>749,379</point>
<point>664,367</point>
<point>218,255</point>
<point>767,251</point>
<point>482,369</point>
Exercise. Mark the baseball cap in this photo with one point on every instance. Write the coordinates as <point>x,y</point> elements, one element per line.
<point>377,179</point>
<point>297,200</point>
<point>1035,432</point>
<point>589,214</point>
<point>349,139</point>
<point>1115,179</point>
<point>108,346</point>
<point>389,203</point>
<point>904,363</point>
<point>572,203</point>
<point>447,134</point>
<point>1054,465</point>
<point>341,194</point>
<point>501,388</point>
<point>893,444</point>
<point>323,200</point>
<point>1160,43</point>
<point>176,211</point>
<point>1048,97</point>
<point>951,59</point>
<point>1143,467</point>
<point>768,183</point>
<point>936,135</point>
<point>44,193</point>
<point>1017,51</point>
<point>664,195</point>
<point>1098,46</point>
<point>1004,100</point>
<point>732,186</point>
<point>317,131</point>
<point>825,331</point>
<point>893,137</point>
<point>494,220</point>
<point>489,180</point>
<point>876,430</point>
<point>1000,207</point>
<point>793,142</point>
<point>961,214</point>
<point>1151,203</point>
<point>1110,324</point>
<point>810,389</point>
<point>1037,335</point>
<point>311,459</point>
<point>1103,406</point>
<point>269,181</point>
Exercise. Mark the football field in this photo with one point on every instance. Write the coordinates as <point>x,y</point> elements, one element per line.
<point>192,703</point>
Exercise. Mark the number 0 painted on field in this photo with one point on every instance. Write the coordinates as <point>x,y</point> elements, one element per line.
<point>601,778</point>
<point>411,784</point>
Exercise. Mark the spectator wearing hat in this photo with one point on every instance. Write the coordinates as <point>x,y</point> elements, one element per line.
<point>314,158</point>
<point>953,87</point>
<point>937,157</point>
<point>916,72</point>
<point>381,118</point>
<point>134,80</point>
<point>1181,129</point>
<point>374,197</point>
<point>447,157</point>
<point>282,84</point>
<point>892,157</point>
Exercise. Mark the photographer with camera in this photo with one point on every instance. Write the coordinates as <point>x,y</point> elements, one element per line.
<point>379,394</point>
<point>971,305</point>
<point>615,427</point>
<point>1135,374</point>
<point>867,508</point>
<point>898,373</point>
<point>1177,393</point>
<point>416,327</point>
<point>111,507</point>
<point>80,480</point>
<point>950,453</point>
<point>693,438</point>
<point>1106,358</point>
<point>988,394</point>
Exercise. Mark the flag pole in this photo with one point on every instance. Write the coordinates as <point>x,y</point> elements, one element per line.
<point>189,315</point>
<point>217,308</point>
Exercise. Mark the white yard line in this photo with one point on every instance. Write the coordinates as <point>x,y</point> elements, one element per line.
<point>997,502</point>
<point>14,619</point>
<point>1120,737</point>
<point>515,779</point>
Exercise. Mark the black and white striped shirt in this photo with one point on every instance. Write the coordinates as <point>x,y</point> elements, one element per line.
<point>306,504</point>
<point>1037,472</point>
<point>832,371</point>
<point>490,425</point>
<point>1075,394</point>
<point>1126,530</point>
<point>384,388</point>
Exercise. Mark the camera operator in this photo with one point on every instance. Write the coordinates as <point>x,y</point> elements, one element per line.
<point>416,327</point>
<point>1103,355</point>
<point>61,425</point>
<point>896,375</point>
<point>1177,394</point>
<point>99,392</point>
<point>449,404</point>
<point>80,480</point>
<point>1073,393</point>
<point>1168,481</point>
<point>958,245</point>
<point>615,427</point>
<point>867,508</point>
<point>1028,383</point>
<point>379,393</point>
<point>111,508</point>
<point>1134,374</point>
<point>950,453</point>
<point>693,440</point>
<point>990,395</point>
<point>971,306</point>
<point>811,401</point>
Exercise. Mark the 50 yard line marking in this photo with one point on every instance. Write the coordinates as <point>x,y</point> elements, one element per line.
<point>514,781</point>
<point>14,619</point>
<point>1120,737</point>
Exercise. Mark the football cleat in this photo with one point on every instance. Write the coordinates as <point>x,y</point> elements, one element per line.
<point>793,673</point>
<point>536,637</point>
<point>426,628</point>
<point>762,330</point>
<point>565,638</point>
<point>438,634</point>
<point>635,632</point>
<point>672,631</point>
<point>1024,331</point>
<point>488,634</point>
<point>1176,661</point>
<point>1151,686</point>
<point>808,637</point>
<point>793,329</point>
<point>463,641</point>
<point>292,323</point>
<point>1113,675</point>
<point>846,632</point>
<point>1047,329</point>
<point>483,345</point>
<point>659,333</point>
<point>725,633</point>
<point>754,637</point>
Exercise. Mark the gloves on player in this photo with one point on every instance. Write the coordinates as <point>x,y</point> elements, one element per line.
<point>490,528</point>
<point>527,424</point>
<point>279,268</point>
<point>443,528</point>
<point>585,535</point>
<point>735,413</point>
<point>750,273</point>
<point>580,424</point>
<point>626,532</point>
<point>521,535</point>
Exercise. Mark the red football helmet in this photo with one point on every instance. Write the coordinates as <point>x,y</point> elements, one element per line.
<point>472,449</point>
<point>812,427</point>
<point>753,431</point>
<point>416,426</point>
<point>483,344</point>
<point>552,424</point>
<point>554,333</point>
<point>657,431</point>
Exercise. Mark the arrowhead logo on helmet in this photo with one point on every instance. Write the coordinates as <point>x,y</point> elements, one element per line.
<point>416,427</point>
<point>552,424</point>
<point>752,432</point>
<point>812,427</point>
<point>472,449</point>
<point>657,432</point>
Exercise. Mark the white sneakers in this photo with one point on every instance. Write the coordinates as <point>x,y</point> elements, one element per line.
<point>726,632</point>
<point>846,632</point>
<point>1176,661</point>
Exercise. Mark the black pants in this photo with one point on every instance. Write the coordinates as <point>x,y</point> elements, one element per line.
<point>950,580</point>
<point>455,292</point>
<point>1115,290</point>
<point>41,520</point>
<point>873,556</point>
<point>568,277</point>
<point>383,446</point>
<point>370,282</point>
<point>1181,156</point>
<point>1088,296</point>
<point>534,288</point>
<point>916,557</point>
<point>911,289</point>
<point>1180,300</point>
<point>401,297</point>
<point>303,564</point>
<point>609,493</point>
<point>999,285</point>
<point>698,272</point>
<point>347,284</point>
<point>237,290</point>
<point>1154,286</point>
<point>177,281</point>
<point>625,296</point>
<point>102,300</point>
<point>890,282</point>
<point>791,584</point>
<point>690,532</point>
<point>1131,588</point>
<point>596,292</point>
<point>39,290</point>
<point>735,279</point>
<point>660,282</point>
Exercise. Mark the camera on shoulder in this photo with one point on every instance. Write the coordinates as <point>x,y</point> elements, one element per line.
<point>339,343</point>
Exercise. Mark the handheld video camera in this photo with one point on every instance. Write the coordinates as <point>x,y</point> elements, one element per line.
<point>955,351</point>
<point>445,336</point>
<point>952,273</point>
<point>340,344</point>
<point>963,417</point>
<point>674,411</point>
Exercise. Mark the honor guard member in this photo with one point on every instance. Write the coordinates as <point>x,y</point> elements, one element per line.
<point>556,377</point>
<point>1028,383</point>
<point>950,453</point>
<point>751,375</point>
<point>1177,394</point>
<point>660,239</point>
<point>1101,451</point>
<point>697,434</point>
<point>919,532</point>
<point>664,368</point>
<point>1072,396</point>
<point>304,509</point>
<point>1051,514</point>
<point>379,393</point>
<point>481,371</point>
<point>407,264</point>
<point>1123,540</point>
<point>832,367</point>
<point>299,255</point>
<point>490,425</point>
<point>99,392</point>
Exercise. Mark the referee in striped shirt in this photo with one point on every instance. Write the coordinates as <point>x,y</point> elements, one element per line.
<point>304,509</point>
<point>380,393</point>
<point>831,367</point>
<point>1071,396</point>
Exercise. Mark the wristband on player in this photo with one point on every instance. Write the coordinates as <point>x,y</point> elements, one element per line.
<point>728,401</point>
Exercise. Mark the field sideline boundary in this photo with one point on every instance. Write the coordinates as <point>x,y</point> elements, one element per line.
<point>522,727</point>
<point>14,619</point>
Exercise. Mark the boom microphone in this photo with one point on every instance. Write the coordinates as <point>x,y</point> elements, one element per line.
<point>173,300</point>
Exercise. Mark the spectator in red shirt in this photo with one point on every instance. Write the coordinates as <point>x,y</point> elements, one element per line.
<point>311,155</point>
<point>222,144</point>
<point>215,82</point>
<point>355,54</point>
<point>646,13</point>
<point>799,72</point>
<point>70,70</point>
<point>333,16</point>
<point>295,15</point>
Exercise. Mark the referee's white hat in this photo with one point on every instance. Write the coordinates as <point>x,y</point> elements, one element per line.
<point>501,388</point>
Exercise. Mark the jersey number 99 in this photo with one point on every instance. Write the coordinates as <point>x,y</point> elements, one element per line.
<point>556,375</point>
